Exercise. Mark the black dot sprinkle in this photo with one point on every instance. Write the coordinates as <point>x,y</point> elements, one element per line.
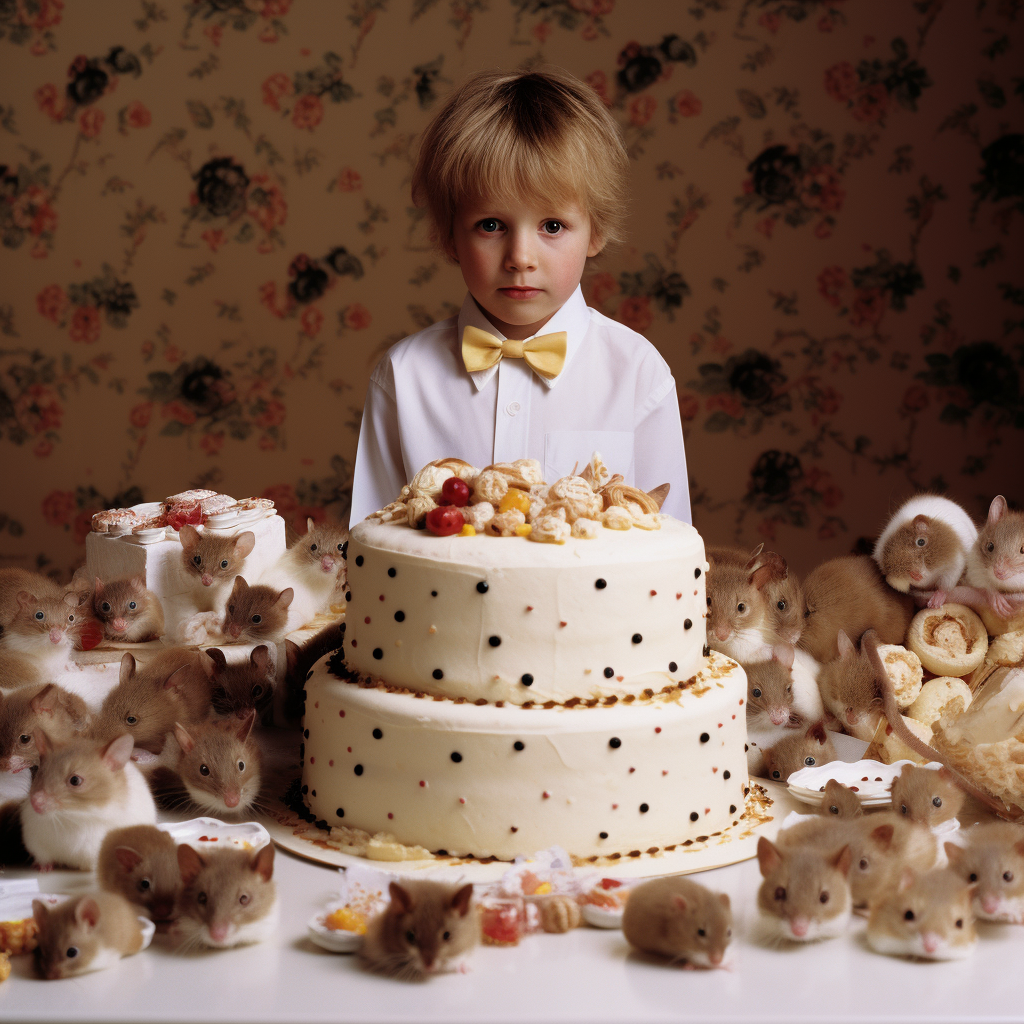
<point>727,774</point>
<point>305,790</point>
<point>340,812</point>
<point>494,641</point>
<point>704,737</point>
<point>609,672</point>
<point>637,638</point>
<point>482,587</point>
<point>392,572</point>
<point>615,743</point>
<point>348,595</point>
<point>527,679</point>
<point>732,808</point>
<point>377,734</point>
<point>600,584</point>
<point>696,574</point>
<point>358,769</point>
<point>456,756</point>
<point>603,835</point>
<point>399,616</point>
<point>378,653</point>
<point>519,745</point>
<point>359,559</point>
<point>438,674</point>
<point>644,808</point>
<point>433,593</point>
<point>687,624</point>
<point>672,666</point>
<point>694,815</point>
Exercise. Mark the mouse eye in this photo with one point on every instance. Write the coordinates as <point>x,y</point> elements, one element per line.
<point>203,770</point>
<point>257,690</point>
<point>223,563</point>
<point>241,766</point>
<point>72,952</point>
<point>809,761</point>
<point>937,801</point>
<point>990,546</point>
<point>789,689</point>
<point>959,922</point>
<point>197,559</point>
<point>75,780</point>
<point>25,738</point>
<point>908,916</point>
<point>709,602</point>
<point>40,616</point>
<point>973,877</point>
<point>71,618</point>
<point>781,605</point>
<point>410,937</point>
<point>741,607</point>
<point>823,898</point>
<point>756,691</point>
<point>201,898</point>
<point>312,547</point>
<point>105,607</point>
<point>244,899</point>
<point>776,774</point>
<point>863,864</point>
<point>921,542</point>
<point>780,893</point>
<point>701,932</point>
<point>144,884</point>
<point>231,609</point>
<point>132,605</point>
<point>833,809</point>
<point>446,936</point>
<point>903,808</point>
<point>257,619</point>
<point>1007,876</point>
<point>340,546</point>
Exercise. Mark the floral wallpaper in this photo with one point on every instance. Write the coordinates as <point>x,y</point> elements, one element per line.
<point>208,241</point>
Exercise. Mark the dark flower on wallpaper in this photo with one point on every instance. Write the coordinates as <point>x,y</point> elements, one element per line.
<point>754,375</point>
<point>123,62</point>
<point>980,374</point>
<point>675,49</point>
<point>869,89</point>
<point>310,280</point>
<point>204,386</point>
<point>667,288</point>
<point>641,66</point>
<point>898,281</point>
<point>773,477</point>
<point>343,263</point>
<point>774,173</point>
<point>221,186</point>
<point>120,299</point>
<point>88,81</point>
<point>8,183</point>
<point>426,79</point>
<point>1002,174</point>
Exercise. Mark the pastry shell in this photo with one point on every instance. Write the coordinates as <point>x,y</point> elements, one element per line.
<point>950,640</point>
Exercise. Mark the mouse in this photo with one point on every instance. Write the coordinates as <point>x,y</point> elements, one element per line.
<point>314,568</point>
<point>427,927</point>
<point>256,614</point>
<point>216,762</point>
<point>42,630</point>
<point>927,916</point>
<point>926,795</point>
<point>14,580</point>
<point>805,748</point>
<point>128,611</point>
<point>840,802</point>
<point>677,918</point>
<point>923,548</point>
<point>805,892</point>
<point>993,862</point>
<point>849,689</point>
<point>229,897</point>
<point>788,681</point>
<point>148,699</point>
<point>85,933</point>
<point>82,789</point>
<point>140,863</point>
<point>738,622</point>
<point>299,660</point>
<point>850,594</point>
<point>211,561</point>
<point>241,687</point>
<point>60,713</point>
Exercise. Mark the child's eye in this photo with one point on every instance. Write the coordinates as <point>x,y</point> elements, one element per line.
<point>488,224</point>
<point>552,227</point>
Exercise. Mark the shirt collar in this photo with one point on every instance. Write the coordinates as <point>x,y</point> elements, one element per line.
<point>573,318</point>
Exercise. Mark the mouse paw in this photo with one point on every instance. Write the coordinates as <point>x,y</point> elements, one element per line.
<point>938,599</point>
<point>999,603</point>
<point>45,867</point>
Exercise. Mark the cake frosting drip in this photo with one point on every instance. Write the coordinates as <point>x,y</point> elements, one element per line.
<point>507,620</point>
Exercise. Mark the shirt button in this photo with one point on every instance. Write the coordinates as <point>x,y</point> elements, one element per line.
<point>512,408</point>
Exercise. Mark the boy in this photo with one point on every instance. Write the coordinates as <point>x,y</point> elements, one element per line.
<point>524,178</point>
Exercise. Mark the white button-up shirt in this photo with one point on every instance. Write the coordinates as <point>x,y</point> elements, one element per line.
<point>615,395</point>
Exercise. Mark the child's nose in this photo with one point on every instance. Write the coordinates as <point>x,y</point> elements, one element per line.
<point>520,254</point>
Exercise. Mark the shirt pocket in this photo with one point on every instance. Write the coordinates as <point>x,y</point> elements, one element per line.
<point>564,449</point>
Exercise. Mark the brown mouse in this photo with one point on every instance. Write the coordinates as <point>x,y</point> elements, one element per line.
<point>300,662</point>
<point>42,630</point>
<point>56,711</point>
<point>927,916</point>
<point>241,687</point>
<point>738,623</point>
<point>211,561</point>
<point>805,892</point>
<point>850,594</point>
<point>128,611</point>
<point>229,896</point>
<point>849,689</point>
<point>805,749</point>
<point>928,796</point>
<point>677,918</point>
<point>993,862</point>
<point>426,928</point>
<point>256,614</point>
<point>140,863</point>
<point>995,564</point>
<point>840,802</point>
<point>85,933</point>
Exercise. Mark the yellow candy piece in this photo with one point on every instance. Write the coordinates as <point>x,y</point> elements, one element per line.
<point>543,889</point>
<point>467,531</point>
<point>515,499</point>
<point>524,530</point>
<point>346,919</point>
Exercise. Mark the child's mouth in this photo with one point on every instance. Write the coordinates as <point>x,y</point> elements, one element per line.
<point>520,293</point>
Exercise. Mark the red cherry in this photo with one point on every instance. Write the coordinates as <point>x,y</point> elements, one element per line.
<point>444,521</point>
<point>455,491</point>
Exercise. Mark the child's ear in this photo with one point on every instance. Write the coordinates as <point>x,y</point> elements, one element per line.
<point>596,243</point>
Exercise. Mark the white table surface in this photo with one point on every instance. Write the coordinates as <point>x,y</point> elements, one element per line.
<point>587,975</point>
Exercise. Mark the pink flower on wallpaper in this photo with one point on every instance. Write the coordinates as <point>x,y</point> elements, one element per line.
<point>824,227</point>
<point>52,303</point>
<point>830,282</point>
<point>868,307</point>
<point>38,409</point>
<point>51,102</point>
<point>828,401</point>
<point>265,202</point>
<point>641,109</point>
<point>635,313</point>
<point>770,20</point>
<point>32,212</point>
<point>541,31</point>
<point>842,81</point>
<point>43,448</point>
<point>871,103</point>
<point>179,412</point>
<point>82,525</point>
<point>349,180</point>
<point>58,507</point>
<point>765,226</point>
<point>602,287</point>
<point>90,122</point>
<point>915,398</point>
<point>212,443</point>
<point>686,104</point>
<point>821,188</point>
<point>140,415</point>
<point>137,115</point>
<point>214,33</point>
<point>729,404</point>
<point>275,88</point>
<point>689,406</point>
<point>308,112</point>
<point>283,497</point>
<point>48,14</point>
<point>357,316</point>
<point>214,238</point>
<point>273,414</point>
<point>312,320</point>
<point>85,325</point>
<point>268,297</point>
<point>275,8</point>
<point>598,81</point>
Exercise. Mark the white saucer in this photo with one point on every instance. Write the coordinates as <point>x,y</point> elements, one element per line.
<point>204,833</point>
<point>871,780</point>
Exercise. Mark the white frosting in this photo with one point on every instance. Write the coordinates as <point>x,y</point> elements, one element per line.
<point>448,776</point>
<point>617,614</point>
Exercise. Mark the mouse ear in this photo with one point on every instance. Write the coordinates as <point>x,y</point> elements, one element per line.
<point>46,700</point>
<point>784,654</point>
<point>882,835</point>
<point>285,598</point>
<point>921,525</point>
<point>184,740</point>
<point>240,586</point>
<point>177,680</point>
<point>116,753</point>
<point>25,599</point>
<point>954,854</point>
<point>244,543</point>
<point>847,648</point>
<point>87,912</point>
<point>768,856</point>
<point>263,862</point>
<point>259,658</point>
<point>190,863</point>
<point>996,510</point>
<point>842,860</point>
<point>246,727</point>
<point>71,599</point>
<point>907,879</point>
<point>817,732</point>
<point>460,901</point>
<point>138,581</point>
<point>97,589</point>
<point>218,658</point>
<point>723,898</point>
<point>401,901</point>
<point>189,537</point>
<point>209,664</point>
<point>127,667</point>
<point>679,903</point>
<point>309,524</point>
<point>127,857</point>
<point>40,911</point>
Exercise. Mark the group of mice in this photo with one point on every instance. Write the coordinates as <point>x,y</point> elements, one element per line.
<point>810,650</point>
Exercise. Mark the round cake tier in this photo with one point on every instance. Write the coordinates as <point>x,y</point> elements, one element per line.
<point>481,780</point>
<point>505,618</point>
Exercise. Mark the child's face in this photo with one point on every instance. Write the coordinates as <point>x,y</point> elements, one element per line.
<point>522,260</point>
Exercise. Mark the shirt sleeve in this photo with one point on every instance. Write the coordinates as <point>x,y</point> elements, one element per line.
<point>658,450</point>
<point>379,473</point>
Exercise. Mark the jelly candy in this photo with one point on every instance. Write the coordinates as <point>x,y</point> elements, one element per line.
<point>515,499</point>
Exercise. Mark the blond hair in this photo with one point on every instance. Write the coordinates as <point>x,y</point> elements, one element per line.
<point>522,135</point>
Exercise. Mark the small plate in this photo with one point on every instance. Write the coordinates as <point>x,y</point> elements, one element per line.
<point>872,780</point>
<point>601,917</point>
<point>334,940</point>
<point>205,833</point>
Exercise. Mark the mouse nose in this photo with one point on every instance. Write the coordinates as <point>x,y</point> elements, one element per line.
<point>715,957</point>
<point>326,563</point>
<point>219,931</point>
<point>931,942</point>
<point>231,797</point>
<point>234,629</point>
<point>779,716</point>
<point>990,904</point>
<point>207,579</point>
<point>722,632</point>
<point>56,635</point>
<point>120,625</point>
<point>799,926</point>
<point>162,909</point>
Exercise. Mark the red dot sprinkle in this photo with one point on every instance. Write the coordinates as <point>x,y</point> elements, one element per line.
<point>317,704</point>
<point>330,764</point>
<point>678,597</point>
<point>312,759</point>
<point>631,770</point>
<point>529,607</point>
<point>695,593</point>
<point>615,807</point>
<point>664,771</point>
<point>654,593</point>
<point>734,718</point>
<point>620,678</point>
<point>423,784</point>
<point>462,799</point>
<point>381,598</point>
<point>545,794</point>
<point>657,728</point>
<point>390,815</point>
<point>341,714</point>
<point>707,810</point>
<point>355,643</point>
<point>350,750</point>
<point>714,771</point>
<point>719,725</point>
<point>741,702</point>
<point>367,620</point>
<point>563,624</point>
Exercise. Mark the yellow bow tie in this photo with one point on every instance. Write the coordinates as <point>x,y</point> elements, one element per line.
<point>545,354</point>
